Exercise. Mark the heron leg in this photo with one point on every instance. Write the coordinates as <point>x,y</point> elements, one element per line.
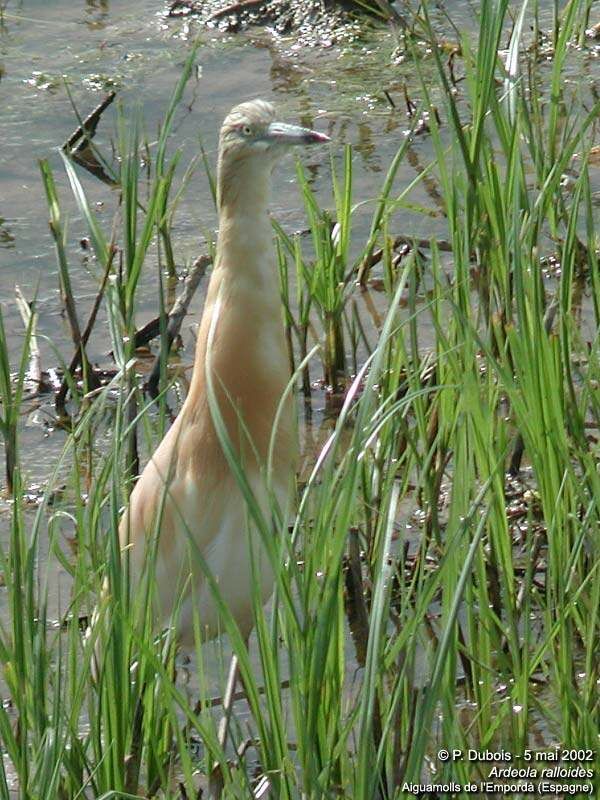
<point>228,699</point>
<point>215,781</point>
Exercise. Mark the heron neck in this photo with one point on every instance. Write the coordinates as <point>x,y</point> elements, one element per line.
<point>245,240</point>
<point>248,352</point>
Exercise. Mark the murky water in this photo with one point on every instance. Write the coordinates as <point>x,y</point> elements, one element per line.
<point>93,47</point>
<point>96,46</point>
<point>100,45</point>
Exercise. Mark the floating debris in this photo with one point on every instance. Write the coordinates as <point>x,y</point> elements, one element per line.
<point>314,23</point>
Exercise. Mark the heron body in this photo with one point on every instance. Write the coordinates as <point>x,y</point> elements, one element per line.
<point>187,490</point>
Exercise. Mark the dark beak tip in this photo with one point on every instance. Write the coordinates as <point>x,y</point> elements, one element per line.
<point>314,137</point>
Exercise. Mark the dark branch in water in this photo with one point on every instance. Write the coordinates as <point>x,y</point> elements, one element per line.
<point>89,124</point>
<point>78,145</point>
<point>146,333</point>
<point>176,317</point>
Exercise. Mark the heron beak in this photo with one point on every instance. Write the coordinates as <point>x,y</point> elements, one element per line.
<point>281,133</point>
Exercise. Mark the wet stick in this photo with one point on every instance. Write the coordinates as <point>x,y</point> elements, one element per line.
<point>176,316</point>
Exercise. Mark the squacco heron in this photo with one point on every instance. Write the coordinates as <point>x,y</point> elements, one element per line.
<point>188,481</point>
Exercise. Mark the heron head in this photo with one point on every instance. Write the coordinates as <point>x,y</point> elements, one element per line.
<point>251,128</point>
